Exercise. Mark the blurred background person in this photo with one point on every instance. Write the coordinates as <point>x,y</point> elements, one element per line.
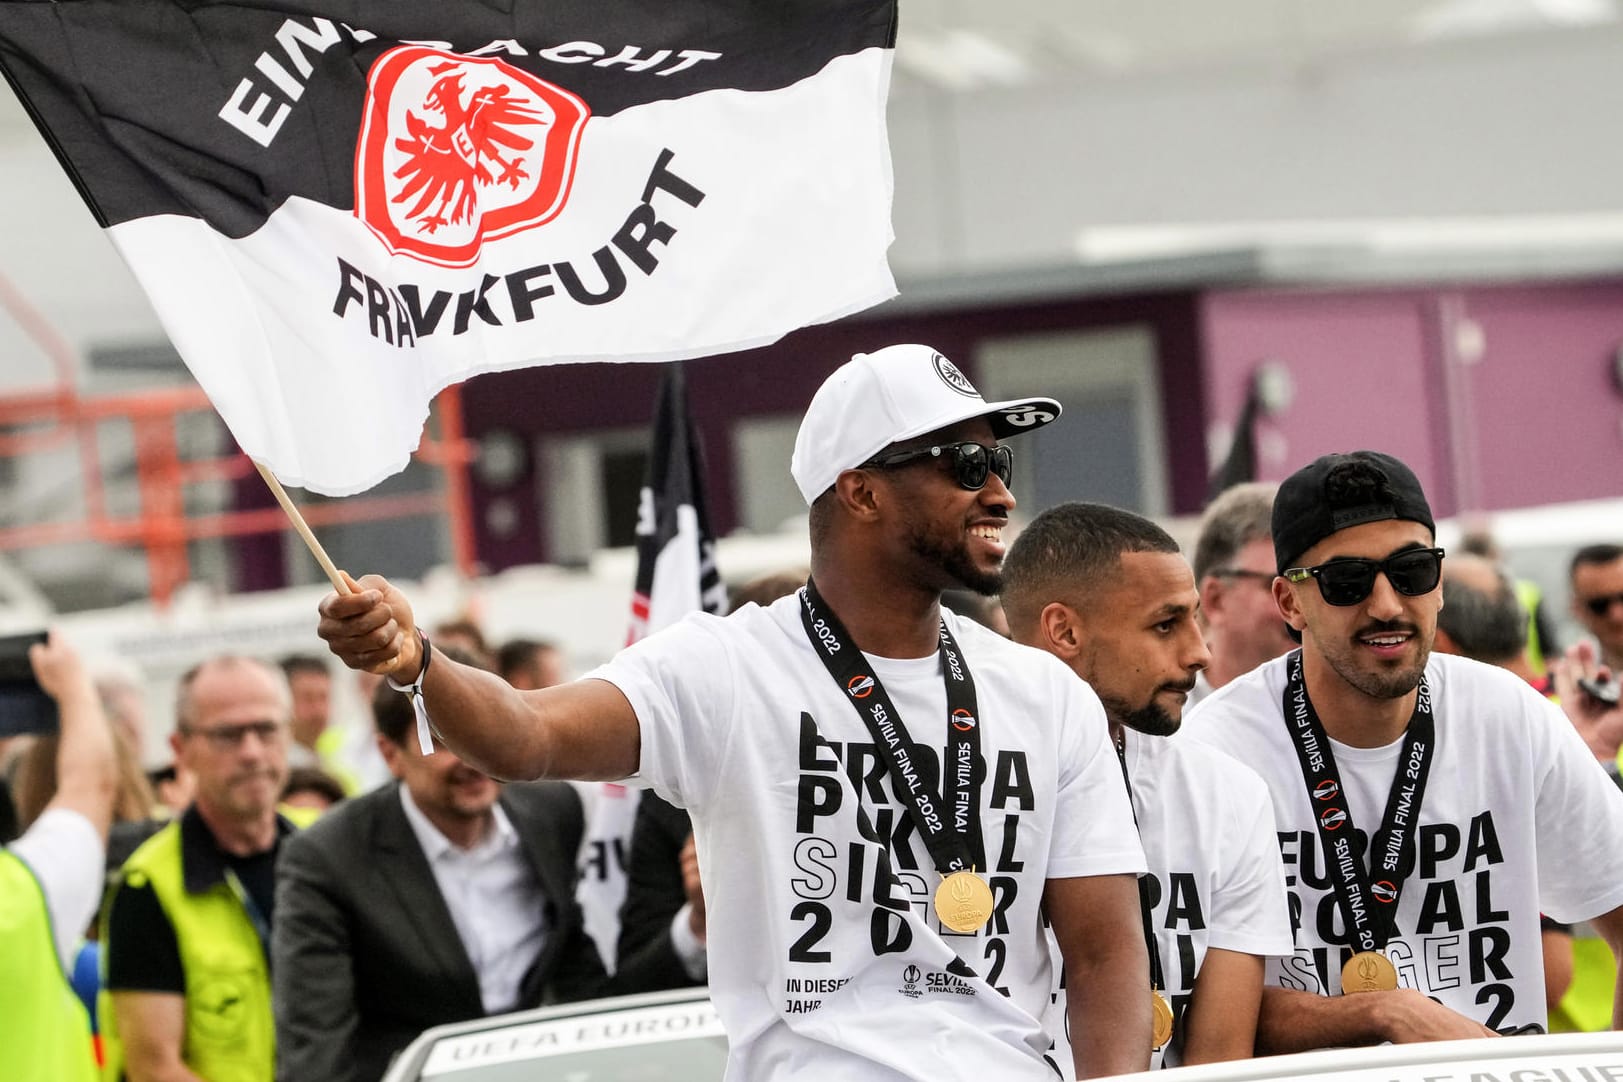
<point>528,664</point>
<point>1542,643</point>
<point>312,788</point>
<point>440,897</point>
<point>1596,581</point>
<point>1234,572</point>
<point>186,936</point>
<point>50,883</point>
<point>316,741</point>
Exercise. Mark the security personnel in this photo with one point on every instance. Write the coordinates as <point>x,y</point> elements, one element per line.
<point>50,882</point>
<point>187,931</point>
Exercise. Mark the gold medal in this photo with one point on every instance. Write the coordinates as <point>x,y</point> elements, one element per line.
<point>1368,971</point>
<point>1160,1019</point>
<point>963,901</point>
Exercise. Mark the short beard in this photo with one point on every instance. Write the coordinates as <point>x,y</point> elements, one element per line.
<point>1151,719</point>
<point>955,561</point>
<point>1380,684</point>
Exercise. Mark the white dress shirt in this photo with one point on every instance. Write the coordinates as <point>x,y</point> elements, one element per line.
<point>495,901</point>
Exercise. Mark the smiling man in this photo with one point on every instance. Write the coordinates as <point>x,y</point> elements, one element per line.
<point>1429,806</point>
<point>886,800</point>
<point>440,898</point>
<point>1108,593</point>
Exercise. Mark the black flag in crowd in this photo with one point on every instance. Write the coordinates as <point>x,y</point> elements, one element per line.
<point>1240,466</point>
<point>676,553</point>
<point>340,207</point>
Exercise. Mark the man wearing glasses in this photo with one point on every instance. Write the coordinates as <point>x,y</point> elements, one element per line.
<point>1234,572</point>
<point>1429,807</point>
<point>188,927</point>
<point>1597,600</point>
<point>886,800</point>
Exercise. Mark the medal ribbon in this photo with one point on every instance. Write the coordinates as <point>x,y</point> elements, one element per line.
<point>1157,975</point>
<point>950,825</point>
<point>1368,901</point>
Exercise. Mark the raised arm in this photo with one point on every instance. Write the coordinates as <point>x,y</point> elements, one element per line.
<point>1107,971</point>
<point>86,769</point>
<point>585,729</point>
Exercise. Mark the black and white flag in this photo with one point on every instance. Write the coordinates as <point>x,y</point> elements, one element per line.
<point>340,207</point>
<point>676,553</point>
<point>676,575</point>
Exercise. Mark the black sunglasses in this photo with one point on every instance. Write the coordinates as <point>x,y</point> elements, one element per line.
<point>1411,572</point>
<point>1600,606</point>
<point>972,463</point>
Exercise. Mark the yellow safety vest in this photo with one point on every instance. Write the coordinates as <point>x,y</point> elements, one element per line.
<point>44,1030</point>
<point>230,1032</point>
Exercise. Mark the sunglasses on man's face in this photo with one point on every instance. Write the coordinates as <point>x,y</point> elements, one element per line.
<point>1602,605</point>
<point>1411,572</point>
<point>972,463</point>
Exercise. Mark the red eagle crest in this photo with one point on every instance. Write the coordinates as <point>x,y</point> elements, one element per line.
<point>458,150</point>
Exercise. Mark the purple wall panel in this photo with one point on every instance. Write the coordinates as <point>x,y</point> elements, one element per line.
<point>1547,416</point>
<point>1359,367</point>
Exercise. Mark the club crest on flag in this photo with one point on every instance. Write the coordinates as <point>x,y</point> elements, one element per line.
<point>458,150</point>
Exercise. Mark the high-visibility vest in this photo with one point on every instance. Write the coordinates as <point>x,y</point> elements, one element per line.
<point>230,1033</point>
<point>44,1030</point>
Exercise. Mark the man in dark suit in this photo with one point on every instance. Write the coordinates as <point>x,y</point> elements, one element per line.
<point>438,898</point>
<point>662,924</point>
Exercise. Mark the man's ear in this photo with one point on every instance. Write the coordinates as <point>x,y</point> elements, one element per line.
<point>391,753</point>
<point>1213,590</point>
<point>856,492</point>
<point>1061,632</point>
<point>1289,608</point>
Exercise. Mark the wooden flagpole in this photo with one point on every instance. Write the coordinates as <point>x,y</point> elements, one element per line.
<point>334,576</point>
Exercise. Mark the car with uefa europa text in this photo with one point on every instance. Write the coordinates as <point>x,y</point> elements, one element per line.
<point>677,1037</point>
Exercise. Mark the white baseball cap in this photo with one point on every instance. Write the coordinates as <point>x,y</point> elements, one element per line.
<point>899,392</point>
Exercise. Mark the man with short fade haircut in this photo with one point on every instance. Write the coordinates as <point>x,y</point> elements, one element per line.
<point>887,800</point>
<point>1426,803</point>
<point>1108,593</point>
<point>187,932</point>
<point>1234,572</point>
<point>1596,579</point>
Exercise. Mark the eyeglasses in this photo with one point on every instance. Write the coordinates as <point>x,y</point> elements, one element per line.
<point>230,737</point>
<point>1602,605</point>
<point>972,463</point>
<point>1411,572</point>
<point>1266,577</point>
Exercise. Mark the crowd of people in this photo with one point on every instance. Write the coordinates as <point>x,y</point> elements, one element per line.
<point>957,804</point>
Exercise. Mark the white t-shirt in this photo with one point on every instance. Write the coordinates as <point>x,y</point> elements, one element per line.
<point>65,852</point>
<point>1215,876</point>
<point>1517,818</point>
<point>826,959</point>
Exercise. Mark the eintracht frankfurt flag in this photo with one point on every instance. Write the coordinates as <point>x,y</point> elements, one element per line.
<point>676,575</point>
<point>339,207</point>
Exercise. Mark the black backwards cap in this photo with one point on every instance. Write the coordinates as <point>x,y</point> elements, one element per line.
<point>1337,491</point>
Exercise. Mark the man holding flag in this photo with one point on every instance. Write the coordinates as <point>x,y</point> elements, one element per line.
<point>886,800</point>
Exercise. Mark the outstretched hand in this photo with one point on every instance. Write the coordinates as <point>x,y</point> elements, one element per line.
<point>59,670</point>
<point>372,628</point>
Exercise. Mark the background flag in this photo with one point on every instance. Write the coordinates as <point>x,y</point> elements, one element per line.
<point>676,575</point>
<point>339,207</point>
<point>676,553</point>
